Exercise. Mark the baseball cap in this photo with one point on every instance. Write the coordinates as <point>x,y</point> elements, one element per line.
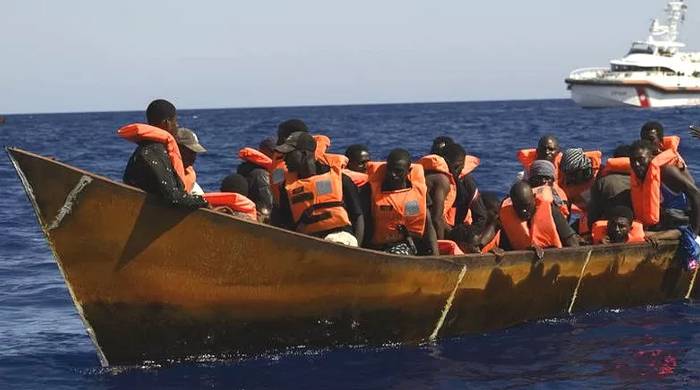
<point>297,141</point>
<point>188,138</point>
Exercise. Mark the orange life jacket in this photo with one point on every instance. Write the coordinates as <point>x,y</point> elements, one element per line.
<point>255,157</point>
<point>435,163</point>
<point>237,202</point>
<point>574,192</point>
<point>600,230</point>
<point>449,248</point>
<point>359,178</point>
<point>139,132</point>
<point>278,168</point>
<point>470,164</point>
<point>528,156</point>
<point>646,194</point>
<point>316,202</point>
<point>617,165</point>
<point>494,243</point>
<point>672,142</point>
<point>405,207</point>
<point>540,231</point>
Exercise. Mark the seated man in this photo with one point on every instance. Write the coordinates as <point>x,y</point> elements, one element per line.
<point>278,167</point>
<point>233,199</point>
<point>255,168</point>
<point>543,173</point>
<point>578,171</point>
<point>453,192</point>
<point>489,238</point>
<point>358,157</point>
<point>612,186</point>
<point>316,197</point>
<point>654,132</point>
<point>662,196</point>
<point>399,220</point>
<point>189,146</point>
<point>547,149</point>
<point>530,219</point>
<point>620,227</point>
<point>156,165</point>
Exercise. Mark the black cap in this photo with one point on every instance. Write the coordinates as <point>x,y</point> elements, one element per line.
<point>297,141</point>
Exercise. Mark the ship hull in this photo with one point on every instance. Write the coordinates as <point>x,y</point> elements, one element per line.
<point>153,283</point>
<point>598,95</point>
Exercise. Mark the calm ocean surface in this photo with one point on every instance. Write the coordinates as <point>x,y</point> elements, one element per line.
<point>43,343</point>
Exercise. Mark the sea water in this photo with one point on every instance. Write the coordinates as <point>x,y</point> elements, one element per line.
<point>43,343</point>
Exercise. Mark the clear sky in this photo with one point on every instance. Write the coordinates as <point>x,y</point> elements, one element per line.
<point>96,55</point>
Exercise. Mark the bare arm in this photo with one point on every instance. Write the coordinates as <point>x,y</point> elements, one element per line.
<point>677,181</point>
<point>359,227</point>
<point>429,235</point>
<point>440,186</point>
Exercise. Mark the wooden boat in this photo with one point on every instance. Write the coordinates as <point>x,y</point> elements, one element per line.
<point>154,283</point>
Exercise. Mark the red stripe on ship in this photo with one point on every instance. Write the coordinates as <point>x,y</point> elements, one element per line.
<point>643,98</point>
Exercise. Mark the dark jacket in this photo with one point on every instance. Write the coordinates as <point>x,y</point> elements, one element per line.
<point>149,168</point>
<point>258,184</point>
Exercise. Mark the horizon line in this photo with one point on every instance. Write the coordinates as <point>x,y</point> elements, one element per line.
<point>285,106</point>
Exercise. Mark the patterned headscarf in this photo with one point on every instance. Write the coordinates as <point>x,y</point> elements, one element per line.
<point>575,160</point>
<point>542,168</point>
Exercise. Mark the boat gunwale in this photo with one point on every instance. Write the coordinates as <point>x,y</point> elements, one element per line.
<point>455,259</point>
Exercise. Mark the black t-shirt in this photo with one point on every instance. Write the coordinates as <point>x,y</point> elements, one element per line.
<point>282,215</point>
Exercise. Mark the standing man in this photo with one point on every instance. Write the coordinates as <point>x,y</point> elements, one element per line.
<point>156,165</point>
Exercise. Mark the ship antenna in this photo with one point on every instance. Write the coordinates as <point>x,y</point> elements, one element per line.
<point>675,16</point>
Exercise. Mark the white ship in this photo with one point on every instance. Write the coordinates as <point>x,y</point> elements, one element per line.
<point>655,72</point>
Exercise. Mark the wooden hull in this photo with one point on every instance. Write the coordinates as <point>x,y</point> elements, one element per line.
<point>155,283</point>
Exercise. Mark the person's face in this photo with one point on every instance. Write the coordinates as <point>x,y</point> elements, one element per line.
<point>525,208</point>
<point>188,156</point>
<point>618,229</point>
<point>653,136</point>
<point>537,181</point>
<point>549,150</point>
<point>456,167</point>
<point>359,162</point>
<point>294,160</point>
<point>640,159</point>
<point>396,172</point>
<point>170,125</point>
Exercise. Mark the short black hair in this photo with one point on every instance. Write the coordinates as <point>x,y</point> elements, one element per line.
<point>160,110</point>
<point>235,183</point>
<point>542,142</point>
<point>454,152</point>
<point>621,151</point>
<point>286,128</point>
<point>652,125</point>
<point>443,139</point>
<point>355,150</point>
<point>519,188</point>
<point>399,154</point>
<point>643,144</point>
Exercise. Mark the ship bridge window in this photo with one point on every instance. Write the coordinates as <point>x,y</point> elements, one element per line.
<point>631,68</point>
<point>641,48</point>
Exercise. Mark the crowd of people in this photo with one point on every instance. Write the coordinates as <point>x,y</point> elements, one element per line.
<point>428,205</point>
